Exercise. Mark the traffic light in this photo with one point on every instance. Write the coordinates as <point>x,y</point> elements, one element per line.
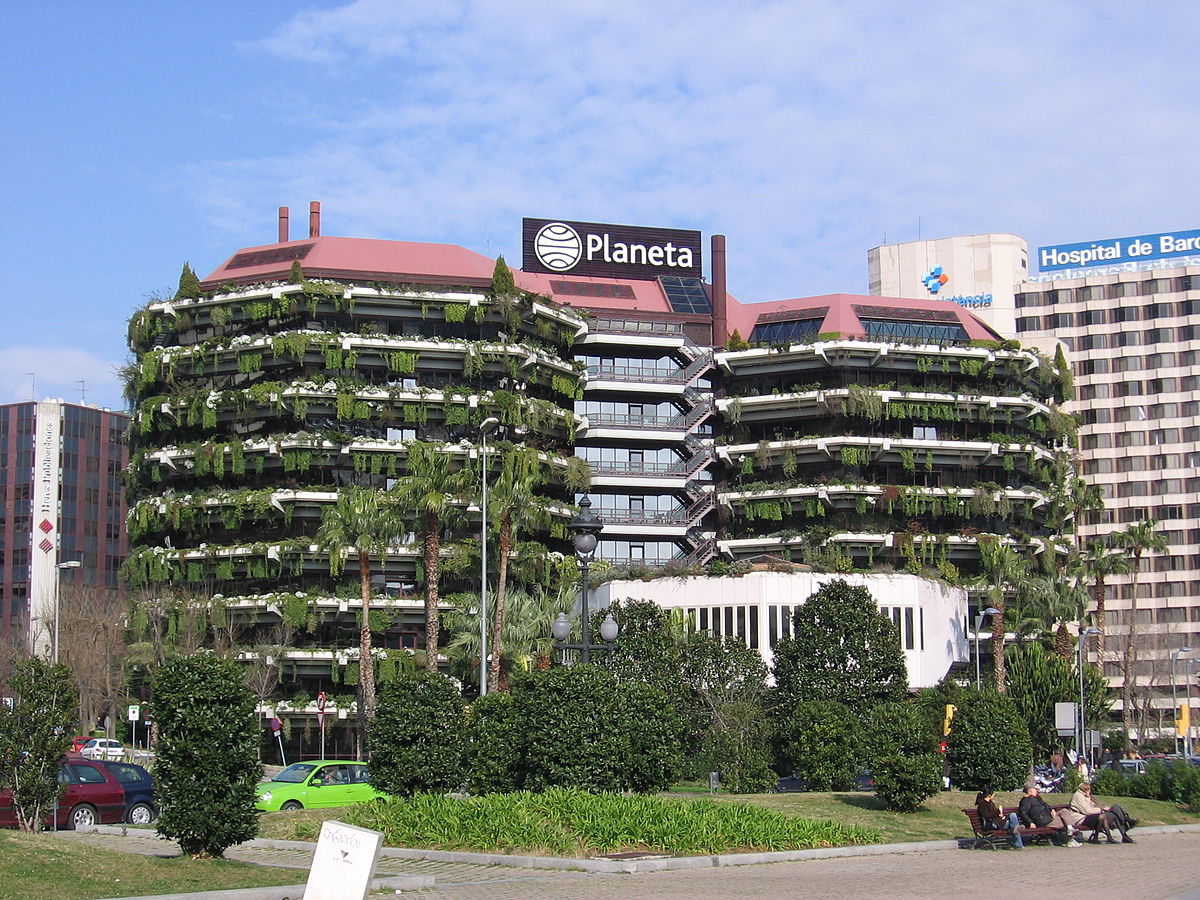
<point>1183,720</point>
<point>951,709</point>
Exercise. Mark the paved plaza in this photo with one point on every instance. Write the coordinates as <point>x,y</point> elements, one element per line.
<point>1157,867</point>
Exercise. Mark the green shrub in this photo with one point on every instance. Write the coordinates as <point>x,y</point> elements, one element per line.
<point>1110,783</point>
<point>904,782</point>
<point>207,765</point>
<point>494,745</point>
<point>1186,786</point>
<point>585,729</point>
<point>1153,784</point>
<point>34,735</point>
<point>989,744</point>
<point>737,745</point>
<point>418,735</point>
<point>820,741</point>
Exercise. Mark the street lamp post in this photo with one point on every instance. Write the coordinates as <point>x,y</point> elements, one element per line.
<point>1081,737</point>
<point>1189,747</point>
<point>1175,654</point>
<point>58,570</point>
<point>990,611</point>
<point>585,526</point>
<point>486,427</point>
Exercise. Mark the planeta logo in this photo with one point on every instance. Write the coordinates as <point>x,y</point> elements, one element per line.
<point>934,279</point>
<point>558,246</point>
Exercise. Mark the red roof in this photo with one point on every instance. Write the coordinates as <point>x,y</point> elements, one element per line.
<point>364,258</point>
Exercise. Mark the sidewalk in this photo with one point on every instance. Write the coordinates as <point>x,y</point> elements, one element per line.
<point>1154,868</point>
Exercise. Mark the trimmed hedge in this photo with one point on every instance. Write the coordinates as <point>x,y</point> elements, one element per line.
<point>418,735</point>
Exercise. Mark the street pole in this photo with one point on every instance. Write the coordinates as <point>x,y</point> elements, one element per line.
<point>58,570</point>
<point>1188,734</point>
<point>1081,740</point>
<point>587,632</point>
<point>1175,706</point>
<point>990,611</point>
<point>487,425</point>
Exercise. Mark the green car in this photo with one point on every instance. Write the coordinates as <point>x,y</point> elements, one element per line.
<point>313,785</point>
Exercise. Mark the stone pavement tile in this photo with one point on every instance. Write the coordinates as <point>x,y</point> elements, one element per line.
<point>1157,867</point>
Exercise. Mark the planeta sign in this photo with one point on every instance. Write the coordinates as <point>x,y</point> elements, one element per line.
<point>558,247</point>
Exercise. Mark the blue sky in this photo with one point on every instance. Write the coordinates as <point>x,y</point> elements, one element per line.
<point>142,134</point>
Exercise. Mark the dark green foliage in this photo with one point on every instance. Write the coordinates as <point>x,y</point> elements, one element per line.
<point>842,649</point>
<point>736,342</point>
<point>189,284</point>
<point>1037,678</point>
<point>899,728</point>
<point>296,274</point>
<point>904,782</point>
<point>645,649</point>
<point>503,284</point>
<point>989,744</point>
<point>1064,382</point>
<point>1176,783</point>
<point>1154,784</point>
<point>583,728</point>
<point>1108,782</point>
<point>821,742</point>
<point>737,745</point>
<point>207,765</point>
<point>494,745</point>
<point>724,687</point>
<point>932,703</point>
<point>34,736</point>
<point>418,735</point>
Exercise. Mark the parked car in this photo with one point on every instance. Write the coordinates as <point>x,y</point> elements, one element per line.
<point>140,808</point>
<point>79,742</point>
<point>91,796</point>
<point>1128,766</point>
<point>103,748</point>
<point>312,785</point>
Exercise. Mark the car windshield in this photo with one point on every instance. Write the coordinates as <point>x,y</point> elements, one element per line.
<point>295,773</point>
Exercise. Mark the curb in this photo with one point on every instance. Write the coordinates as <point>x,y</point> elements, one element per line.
<point>395,883</point>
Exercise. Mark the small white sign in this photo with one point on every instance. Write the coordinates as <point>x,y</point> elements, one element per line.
<point>344,864</point>
<point>135,712</point>
<point>1065,717</point>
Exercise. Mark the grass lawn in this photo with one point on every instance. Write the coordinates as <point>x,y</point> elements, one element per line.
<point>50,868</point>
<point>940,819</point>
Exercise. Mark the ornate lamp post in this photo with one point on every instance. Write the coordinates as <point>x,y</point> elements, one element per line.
<point>990,611</point>
<point>585,526</point>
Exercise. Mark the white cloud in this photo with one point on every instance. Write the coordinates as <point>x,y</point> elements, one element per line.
<point>804,132</point>
<point>35,373</point>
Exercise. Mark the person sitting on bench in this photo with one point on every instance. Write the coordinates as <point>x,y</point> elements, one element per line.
<point>1099,818</point>
<point>1034,811</point>
<point>992,818</point>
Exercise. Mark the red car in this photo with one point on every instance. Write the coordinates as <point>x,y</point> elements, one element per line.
<point>91,796</point>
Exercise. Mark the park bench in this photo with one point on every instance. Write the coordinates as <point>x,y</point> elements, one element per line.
<point>992,838</point>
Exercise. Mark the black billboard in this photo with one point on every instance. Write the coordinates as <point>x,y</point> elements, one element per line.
<point>560,247</point>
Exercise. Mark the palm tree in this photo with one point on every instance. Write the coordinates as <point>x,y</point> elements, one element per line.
<point>1137,539</point>
<point>429,491</point>
<point>526,638</point>
<point>1003,568</point>
<point>1100,562</point>
<point>515,506</point>
<point>1051,601</point>
<point>361,520</point>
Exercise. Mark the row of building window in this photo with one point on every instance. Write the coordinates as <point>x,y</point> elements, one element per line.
<point>1133,362</point>
<point>1151,488</point>
<point>1107,465</point>
<point>1117,339</point>
<point>1146,412</point>
<point>1112,316</point>
<point>1166,512</point>
<point>1155,438</point>
<point>1113,291</point>
<point>1135,388</point>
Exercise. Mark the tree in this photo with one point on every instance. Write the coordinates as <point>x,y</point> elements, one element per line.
<point>989,744</point>
<point>1003,569</point>
<point>92,644</point>
<point>1037,679</point>
<point>516,507</point>
<point>843,649</point>
<point>362,521</point>
<point>34,736</point>
<point>1138,539</point>
<point>418,736</point>
<point>207,765</point>
<point>1051,601</point>
<point>428,491</point>
<point>1099,563</point>
<point>820,741</point>
<point>902,754</point>
<point>189,284</point>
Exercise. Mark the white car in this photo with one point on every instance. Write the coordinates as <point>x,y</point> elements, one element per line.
<point>103,748</point>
